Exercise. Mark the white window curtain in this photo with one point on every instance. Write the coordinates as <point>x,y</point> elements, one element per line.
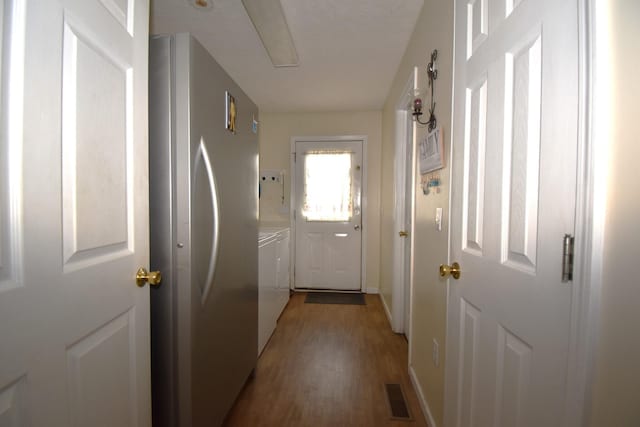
<point>327,186</point>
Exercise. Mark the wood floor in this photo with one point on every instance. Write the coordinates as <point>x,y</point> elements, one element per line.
<point>326,365</point>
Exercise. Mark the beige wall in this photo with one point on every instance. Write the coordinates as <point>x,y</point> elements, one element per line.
<point>616,390</point>
<point>276,130</point>
<point>434,30</point>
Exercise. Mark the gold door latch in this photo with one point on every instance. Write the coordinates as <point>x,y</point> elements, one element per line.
<point>453,270</point>
<point>403,234</point>
<point>153,277</point>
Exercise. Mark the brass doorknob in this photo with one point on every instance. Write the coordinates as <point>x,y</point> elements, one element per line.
<point>403,234</point>
<point>453,269</point>
<point>153,277</point>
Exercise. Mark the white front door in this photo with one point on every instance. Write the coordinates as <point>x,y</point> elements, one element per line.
<point>513,199</point>
<point>74,213</point>
<point>328,224</point>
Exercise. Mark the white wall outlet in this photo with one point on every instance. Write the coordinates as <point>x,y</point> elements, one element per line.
<point>435,354</point>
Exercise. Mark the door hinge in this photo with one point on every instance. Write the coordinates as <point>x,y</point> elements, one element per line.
<point>294,214</point>
<point>295,156</point>
<point>567,258</point>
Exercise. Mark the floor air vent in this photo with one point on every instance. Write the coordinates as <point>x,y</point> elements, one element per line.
<point>397,402</point>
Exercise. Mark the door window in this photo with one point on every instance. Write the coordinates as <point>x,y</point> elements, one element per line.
<point>327,186</point>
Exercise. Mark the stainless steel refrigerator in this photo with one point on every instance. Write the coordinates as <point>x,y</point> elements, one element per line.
<point>204,233</point>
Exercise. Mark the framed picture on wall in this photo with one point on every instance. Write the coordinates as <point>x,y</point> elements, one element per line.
<point>230,113</point>
<point>432,151</point>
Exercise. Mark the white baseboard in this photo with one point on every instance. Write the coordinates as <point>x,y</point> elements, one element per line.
<point>373,291</point>
<point>386,309</point>
<point>423,402</point>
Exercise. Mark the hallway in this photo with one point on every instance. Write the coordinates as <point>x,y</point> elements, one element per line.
<point>326,365</point>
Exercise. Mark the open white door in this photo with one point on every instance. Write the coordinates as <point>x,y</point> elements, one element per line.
<point>74,213</point>
<point>403,195</point>
<point>328,214</point>
<point>513,199</point>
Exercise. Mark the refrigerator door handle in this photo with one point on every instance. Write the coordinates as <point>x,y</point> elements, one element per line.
<point>215,238</point>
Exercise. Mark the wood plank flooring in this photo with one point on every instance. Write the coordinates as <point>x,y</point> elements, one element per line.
<point>326,365</point>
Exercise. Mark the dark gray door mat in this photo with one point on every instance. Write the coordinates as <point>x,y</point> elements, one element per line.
<point>334,298</point>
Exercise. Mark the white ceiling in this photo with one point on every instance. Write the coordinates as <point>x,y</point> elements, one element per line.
<point>349,50</point>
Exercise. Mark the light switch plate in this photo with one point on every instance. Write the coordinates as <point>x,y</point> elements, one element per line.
<point>438,219</point>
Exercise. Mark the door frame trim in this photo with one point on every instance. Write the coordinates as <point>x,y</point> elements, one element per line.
<point>364,204</point>
<point>589,221</point>
<point>400,194</point>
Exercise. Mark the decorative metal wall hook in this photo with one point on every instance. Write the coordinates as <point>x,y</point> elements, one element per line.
<point>432,74</point>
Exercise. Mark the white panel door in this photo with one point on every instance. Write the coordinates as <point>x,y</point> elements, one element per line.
<point>513,199</point>
<point>328,177</point>
<point>73,213</point>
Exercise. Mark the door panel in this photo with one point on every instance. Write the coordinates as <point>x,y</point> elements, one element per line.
<point>74,213</point>
<point>522,156</point>
<point>13,404</point>
<point>475,143</point>
<point>315,248</point>
<point>100,376</point>
<point>512,379</point>
<point>513,199</point>
<point>96,211</point>
<point>328,250</point>
<point>468,367</point>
